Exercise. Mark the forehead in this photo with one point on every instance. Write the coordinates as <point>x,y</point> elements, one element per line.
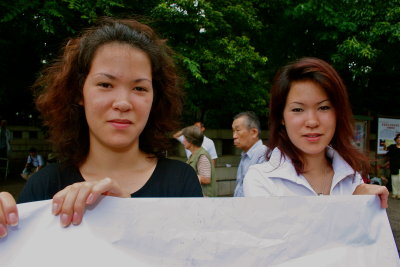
<point>115,48</point>
<point>111,48</point>
<point>117,59</point>
<point>239,122</point>
<point>306,91</point>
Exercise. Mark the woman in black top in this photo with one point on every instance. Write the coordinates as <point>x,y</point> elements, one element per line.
<point>171,178</point>
<point>109,102</point>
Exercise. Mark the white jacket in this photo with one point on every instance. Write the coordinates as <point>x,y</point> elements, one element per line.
<point>278,177</point>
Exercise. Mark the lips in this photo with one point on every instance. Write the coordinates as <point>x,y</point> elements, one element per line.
<point>120,123</point>
<point>312,137</point>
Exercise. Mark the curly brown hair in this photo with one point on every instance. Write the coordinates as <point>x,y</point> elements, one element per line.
<point>60,89</point>
<point>325,75</point>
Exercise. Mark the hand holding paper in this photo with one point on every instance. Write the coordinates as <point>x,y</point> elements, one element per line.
<point>70,203</point>
<point>278,231</point>
<point>371,189</point>
<point>8,212</point>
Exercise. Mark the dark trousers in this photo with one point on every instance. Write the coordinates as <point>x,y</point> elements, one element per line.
<point>3,152</point>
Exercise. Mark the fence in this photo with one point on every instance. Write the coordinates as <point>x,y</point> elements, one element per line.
<point>25,137</point>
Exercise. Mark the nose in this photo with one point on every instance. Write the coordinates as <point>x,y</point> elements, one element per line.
<point>312,120</point>
<point>234,135</point>
<point>122,103</point>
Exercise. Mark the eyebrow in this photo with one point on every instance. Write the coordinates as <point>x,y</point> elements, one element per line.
<point>112,77</point>
<point>300,103</point>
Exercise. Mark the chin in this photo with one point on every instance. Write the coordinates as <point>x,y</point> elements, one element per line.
<point>314,151</point>
<point>307,150</point>
<point>121,145</point>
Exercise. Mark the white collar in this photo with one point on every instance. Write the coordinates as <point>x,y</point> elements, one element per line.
<point>250,153</point>
<point>284,169</point>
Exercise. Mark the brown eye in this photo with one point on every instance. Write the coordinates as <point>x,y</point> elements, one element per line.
<point>140,89</point>
<point>325,108</point>
<point>105,85</point>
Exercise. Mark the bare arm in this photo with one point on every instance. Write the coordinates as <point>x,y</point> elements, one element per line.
<point>204,180</point>
<point>177,134</point>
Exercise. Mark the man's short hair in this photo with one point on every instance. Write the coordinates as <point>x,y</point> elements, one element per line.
<point>252,120</point>
<point>200,122</point>
<point>193,135</point>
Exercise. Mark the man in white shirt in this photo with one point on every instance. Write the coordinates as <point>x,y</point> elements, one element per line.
<point>247,136</point>
<point>207,144</point>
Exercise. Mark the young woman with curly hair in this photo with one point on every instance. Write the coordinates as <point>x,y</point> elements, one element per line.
<point>110,102</point>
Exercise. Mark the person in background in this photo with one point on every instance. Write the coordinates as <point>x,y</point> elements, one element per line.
<point>33,164</point>
<point>51,158</point>
<point>110,101</point>
<point>247,137</point>
<point>5,139</point>
<point>200,160</point>
<point>393,156</point>
<point>207,144</point>
<point>310,149</point>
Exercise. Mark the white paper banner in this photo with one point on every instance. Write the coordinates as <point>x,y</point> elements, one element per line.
<point>279,231</point>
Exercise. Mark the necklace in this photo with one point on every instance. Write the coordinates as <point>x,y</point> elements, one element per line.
<point>326,184</point>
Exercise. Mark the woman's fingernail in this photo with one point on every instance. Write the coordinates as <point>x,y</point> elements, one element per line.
<point>13,219</point>
<point>64,219</point>
<point>75,218</point>
<point>3,230</point>
<point>55,208</point>
<point>89,199</point>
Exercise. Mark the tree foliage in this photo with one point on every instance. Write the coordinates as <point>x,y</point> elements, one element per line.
<point>227,50</point>
<point>360,38</point>
<point>34,32</point>
<point>222,69</point>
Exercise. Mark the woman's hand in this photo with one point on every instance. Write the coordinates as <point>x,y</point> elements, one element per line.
<point>372,189</point>
<point>8,212</point>
<point>70,203</point>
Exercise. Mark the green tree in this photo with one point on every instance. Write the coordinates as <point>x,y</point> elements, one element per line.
<point>33,33</point>
<point>221,47</point>
<point>360,38</point>
<point>222,69</point>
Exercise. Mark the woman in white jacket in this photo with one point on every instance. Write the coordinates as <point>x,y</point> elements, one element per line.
<point>310,149</point>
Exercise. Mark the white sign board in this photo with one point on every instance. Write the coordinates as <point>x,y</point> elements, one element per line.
<point>387,130</point>
<point>279,231</point>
